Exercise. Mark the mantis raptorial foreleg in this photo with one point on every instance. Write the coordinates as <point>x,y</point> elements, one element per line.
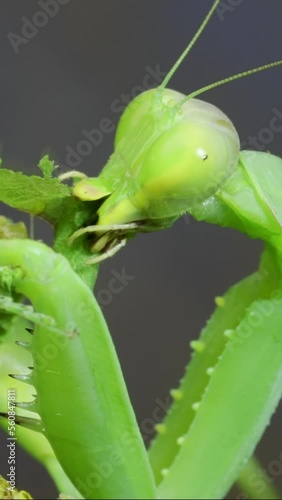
<point>207,350</point>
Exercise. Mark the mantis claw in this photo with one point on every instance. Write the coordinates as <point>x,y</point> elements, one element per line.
<point>109,253</point>
<point>97,228</point>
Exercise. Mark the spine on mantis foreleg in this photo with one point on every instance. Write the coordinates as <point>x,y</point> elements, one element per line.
<point>15,359</point>
<point>230,311</point>
<point>81,396</point>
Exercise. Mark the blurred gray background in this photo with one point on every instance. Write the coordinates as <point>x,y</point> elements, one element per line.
<point>64,79</point>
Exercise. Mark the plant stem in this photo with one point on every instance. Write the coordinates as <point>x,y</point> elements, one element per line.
<point>256,483</point>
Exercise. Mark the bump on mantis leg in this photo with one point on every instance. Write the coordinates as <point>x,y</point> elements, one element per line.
<point>200,370</point>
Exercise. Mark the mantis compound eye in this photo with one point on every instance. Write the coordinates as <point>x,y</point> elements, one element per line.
<point>187,164</point>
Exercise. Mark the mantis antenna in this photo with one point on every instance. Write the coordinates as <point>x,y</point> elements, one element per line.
<point>229,79</point>
<point>189,46</point>
<point>215,84</point>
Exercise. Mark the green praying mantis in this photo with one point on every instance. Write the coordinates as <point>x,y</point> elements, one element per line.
<point>173,154</point>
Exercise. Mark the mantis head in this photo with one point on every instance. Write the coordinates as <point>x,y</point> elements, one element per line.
<point>174,156</point>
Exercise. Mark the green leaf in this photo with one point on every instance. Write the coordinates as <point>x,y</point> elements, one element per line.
<point>47,166</point>
<point>10,230</point>
<point>7,492</point>
<point>53,201</point>
<point>33,194</point>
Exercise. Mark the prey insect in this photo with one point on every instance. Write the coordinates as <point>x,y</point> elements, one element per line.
<point>171,154</point>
